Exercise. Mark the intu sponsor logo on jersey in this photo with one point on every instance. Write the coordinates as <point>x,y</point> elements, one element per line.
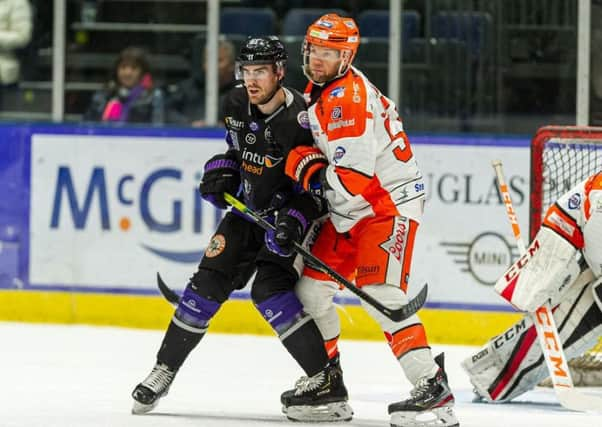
<point>254,162</point>
<point>112,198</point>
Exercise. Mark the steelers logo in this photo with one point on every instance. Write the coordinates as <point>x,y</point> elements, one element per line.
<point>216,246</point>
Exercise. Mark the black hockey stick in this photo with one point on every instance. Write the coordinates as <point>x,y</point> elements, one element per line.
<point>396,315</point>
<point>168,293</point>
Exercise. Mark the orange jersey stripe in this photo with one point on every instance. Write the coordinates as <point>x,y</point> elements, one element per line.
<point>354,182</point>
<point>593,183</point>
<point>379,199</point>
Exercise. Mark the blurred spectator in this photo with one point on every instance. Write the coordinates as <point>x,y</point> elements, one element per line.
<point>186,99</point>
<point>596,64</point>
<point>130,96</point>
<point>15,33</point>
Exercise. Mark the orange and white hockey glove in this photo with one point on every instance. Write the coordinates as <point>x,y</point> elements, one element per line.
<point>304,163</point>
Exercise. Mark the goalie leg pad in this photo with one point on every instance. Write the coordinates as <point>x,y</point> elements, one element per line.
<point>597,291</point>
<point>512,362</point>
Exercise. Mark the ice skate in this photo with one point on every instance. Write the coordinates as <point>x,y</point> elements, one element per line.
<point>430,404</point>
<point>147,394</point>
<point>322,397</point>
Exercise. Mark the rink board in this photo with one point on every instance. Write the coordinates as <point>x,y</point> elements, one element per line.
<point>90,214</point>
<point>236,316</point>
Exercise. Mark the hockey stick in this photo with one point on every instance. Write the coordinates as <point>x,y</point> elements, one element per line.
<point>168,293</point>
<point>396,315</point>
<point>547,332</point>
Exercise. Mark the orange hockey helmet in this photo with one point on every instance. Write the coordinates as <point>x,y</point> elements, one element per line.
<point>335,32</point>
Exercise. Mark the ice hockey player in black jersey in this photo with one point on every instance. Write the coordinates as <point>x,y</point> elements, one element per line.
<point>264,121</point>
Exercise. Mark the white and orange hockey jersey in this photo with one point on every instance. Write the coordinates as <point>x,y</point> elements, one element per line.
<point>552,263</point>
<point>577,216</point>
<point>371,166</point>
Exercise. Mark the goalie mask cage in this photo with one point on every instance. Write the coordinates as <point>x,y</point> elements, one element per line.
<point>561,157</point>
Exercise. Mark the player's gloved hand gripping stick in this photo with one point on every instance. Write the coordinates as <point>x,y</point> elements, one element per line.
<point>396,315</point>
<point>547,332</point>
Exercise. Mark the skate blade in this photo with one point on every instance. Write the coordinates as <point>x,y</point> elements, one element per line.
<point>140,408</point>
<point>329,412</point>
<point>436,417</point>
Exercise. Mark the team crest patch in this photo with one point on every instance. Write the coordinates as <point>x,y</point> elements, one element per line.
<point>216,246</point>
<point>303,119</point>
<point>337,113</point>
<point>575,201</point>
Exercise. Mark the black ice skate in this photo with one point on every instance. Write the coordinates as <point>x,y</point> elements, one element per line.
<point>322,397</point>
<point>430,403</point>
<point>147,394</point>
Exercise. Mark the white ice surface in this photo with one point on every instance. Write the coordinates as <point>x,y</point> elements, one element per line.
<point>83,376</point>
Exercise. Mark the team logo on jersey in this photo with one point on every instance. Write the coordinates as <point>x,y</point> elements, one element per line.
<point>303,119</point>
<point>575,201</point>
<point>337,113</point>
<point>253,126</point>
<point>339,152</point>
<point>250,138</point>
<point>216,246</point>
<point>233,124</point>
<point>271,161</point>
<point>337,92</point>
<point>267,134</point>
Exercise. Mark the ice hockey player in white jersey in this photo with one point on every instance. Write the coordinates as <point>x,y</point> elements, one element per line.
<point>563,265</point>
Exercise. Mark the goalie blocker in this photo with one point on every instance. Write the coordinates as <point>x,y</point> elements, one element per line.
<point>562,265</point>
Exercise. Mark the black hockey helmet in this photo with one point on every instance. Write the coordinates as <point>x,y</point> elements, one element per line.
<point>261,50</point>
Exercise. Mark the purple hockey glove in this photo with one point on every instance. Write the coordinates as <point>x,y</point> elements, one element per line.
<point>290,227</point>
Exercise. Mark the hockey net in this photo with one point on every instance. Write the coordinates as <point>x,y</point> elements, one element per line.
<point>561,157</point>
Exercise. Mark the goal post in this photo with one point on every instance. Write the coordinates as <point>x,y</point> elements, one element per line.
<point>561,157</point>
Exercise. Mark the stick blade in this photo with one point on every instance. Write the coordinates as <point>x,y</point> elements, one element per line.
<point>576,401</point>
<point>411,307</point>
<point>167,292</point>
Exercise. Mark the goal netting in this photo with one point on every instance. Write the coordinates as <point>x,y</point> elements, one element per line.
<point>562,156</point>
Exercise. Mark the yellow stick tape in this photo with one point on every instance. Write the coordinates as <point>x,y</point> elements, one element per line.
<point>235,316</point>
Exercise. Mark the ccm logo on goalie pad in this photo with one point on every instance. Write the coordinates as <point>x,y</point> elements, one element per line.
<point>508,281</point>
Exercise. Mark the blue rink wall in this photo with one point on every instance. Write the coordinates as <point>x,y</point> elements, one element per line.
<point>88,215</point>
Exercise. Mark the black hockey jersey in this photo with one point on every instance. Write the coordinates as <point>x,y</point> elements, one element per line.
<point>262,142</point>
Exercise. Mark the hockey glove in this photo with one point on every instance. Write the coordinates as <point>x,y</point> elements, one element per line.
<point>303,165</point>
<point>290,227</point>
<point>222,175</point>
